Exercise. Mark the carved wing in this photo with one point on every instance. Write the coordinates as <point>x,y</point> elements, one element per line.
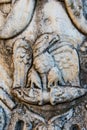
<point>77,10</point>
<point>18,19</point>
<point>66,58</point>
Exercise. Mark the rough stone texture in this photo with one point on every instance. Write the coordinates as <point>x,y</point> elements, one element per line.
<point>43,65</point>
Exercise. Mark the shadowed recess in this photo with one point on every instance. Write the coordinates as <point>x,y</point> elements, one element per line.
<point>19,125</point>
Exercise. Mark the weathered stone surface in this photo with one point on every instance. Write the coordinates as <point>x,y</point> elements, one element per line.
<point>43,65</point>
<point>78,13</point>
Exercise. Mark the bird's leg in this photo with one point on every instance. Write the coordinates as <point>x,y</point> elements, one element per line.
<point>31,93</point>
<point>44,81</point>
<point>55,83</point>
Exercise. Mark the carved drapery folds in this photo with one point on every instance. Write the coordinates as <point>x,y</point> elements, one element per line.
<point>43,65</point>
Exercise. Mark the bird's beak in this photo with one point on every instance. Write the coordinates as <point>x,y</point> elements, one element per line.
<point>56,38</point>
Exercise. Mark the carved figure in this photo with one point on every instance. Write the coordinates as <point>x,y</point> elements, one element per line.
<point>34,79</point>
<point>43,60</point>
<point>48,59</point>
<point>77,12</point>
<point>46,65</point>
<point>11,27</point>
<point>55,77</point>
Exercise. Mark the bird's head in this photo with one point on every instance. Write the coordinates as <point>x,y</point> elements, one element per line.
<point>45,41</point>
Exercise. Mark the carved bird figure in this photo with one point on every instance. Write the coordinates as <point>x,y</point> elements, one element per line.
<point>43,61</point>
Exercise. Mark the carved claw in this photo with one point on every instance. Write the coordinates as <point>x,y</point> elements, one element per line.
<point>55,77</point>
<point>34,80</point>
<point>32,96</point>
<point>35,95</point>
<point>17,92</point>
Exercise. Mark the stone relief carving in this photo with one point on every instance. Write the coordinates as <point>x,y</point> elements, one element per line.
<point>43,64</point>
<point>78,13</point>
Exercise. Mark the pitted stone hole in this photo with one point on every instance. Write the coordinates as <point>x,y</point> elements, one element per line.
<point>75,127</point>
<point>19,125</point>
